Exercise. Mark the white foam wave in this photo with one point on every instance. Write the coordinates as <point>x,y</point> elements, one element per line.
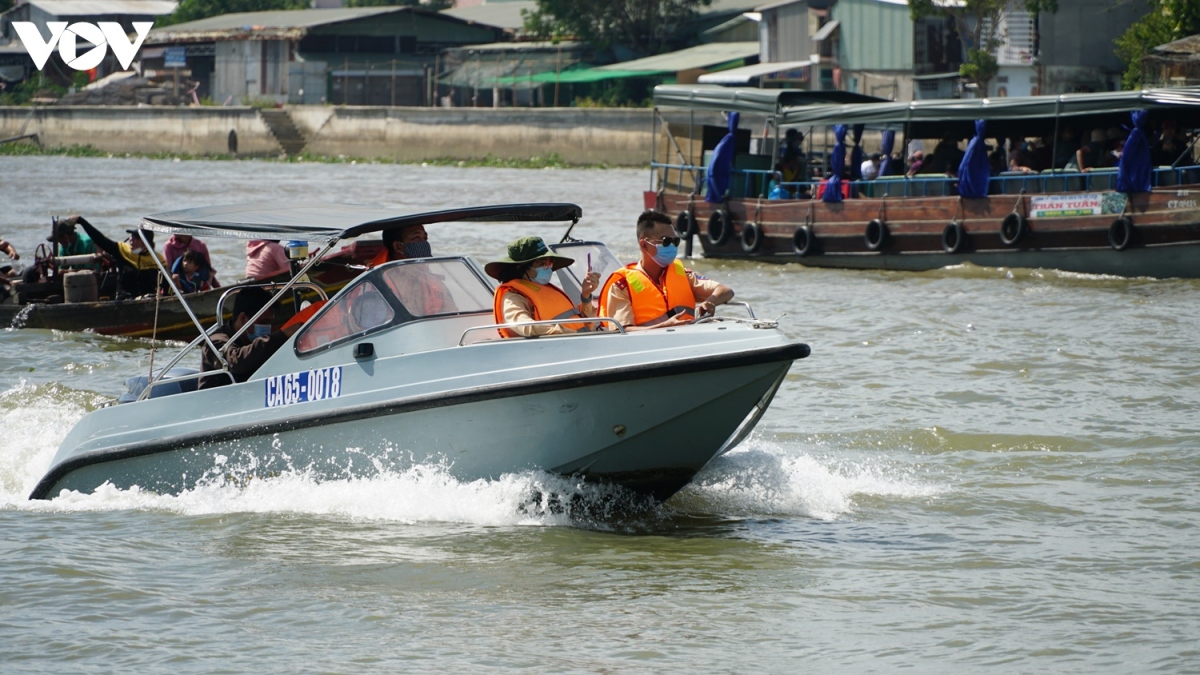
<point>35,419</point>
<point>763,478</point>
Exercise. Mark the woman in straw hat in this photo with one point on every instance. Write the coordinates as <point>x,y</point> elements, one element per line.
<point>526,294</point>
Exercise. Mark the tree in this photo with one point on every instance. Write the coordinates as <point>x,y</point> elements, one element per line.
<point>970,18</point>
<point>194,10</point>
<point>644,26</point>
<point>1168,20</point>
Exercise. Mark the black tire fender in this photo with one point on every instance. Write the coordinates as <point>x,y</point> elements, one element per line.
<point>803,241</point>
<point>752,237</point>
<point>719,228</point>
<point>1120,233</point>
<point>1013,228</point>
<point>875,235</point>
<point>685,224</point>
<point>953,237</point>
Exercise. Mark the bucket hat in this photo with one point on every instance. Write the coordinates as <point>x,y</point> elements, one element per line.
<point>526,250</point>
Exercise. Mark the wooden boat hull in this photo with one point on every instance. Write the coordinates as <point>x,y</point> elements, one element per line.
<point>1163,241</point>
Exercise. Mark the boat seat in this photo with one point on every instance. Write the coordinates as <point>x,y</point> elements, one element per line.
<point>1102,179</point>
<point>1165,176</point>
<point>136,385</point>
<point>1062,181</point>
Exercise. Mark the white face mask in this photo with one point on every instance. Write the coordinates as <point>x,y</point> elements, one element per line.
<point>261,330</point>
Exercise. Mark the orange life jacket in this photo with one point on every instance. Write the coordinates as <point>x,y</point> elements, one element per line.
<point>432,299</point>
<point>652,306</point>
<point>549,302</point>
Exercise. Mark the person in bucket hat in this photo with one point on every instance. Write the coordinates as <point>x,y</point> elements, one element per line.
<point>525,293</point>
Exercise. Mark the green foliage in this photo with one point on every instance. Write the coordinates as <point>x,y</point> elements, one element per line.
<point>1168,20</point>
<point>194,10</point>
<point>980,66</point>
<point>645,26</point>
<point>25,92</point>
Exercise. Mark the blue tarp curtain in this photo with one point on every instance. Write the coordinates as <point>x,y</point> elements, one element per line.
<point>1133,171</point>
<point>974,171</point>
<point>889,141</point>
<point>721,166</point>
<point>856,155</point>
<point>833,189</point>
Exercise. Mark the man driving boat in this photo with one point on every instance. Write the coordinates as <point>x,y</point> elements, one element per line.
<point>658,291</point>
<point>424,293</point>
<point>139,273</point>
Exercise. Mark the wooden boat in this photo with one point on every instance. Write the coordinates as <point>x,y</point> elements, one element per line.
<point>1074,221</point>
<point>42,305</point>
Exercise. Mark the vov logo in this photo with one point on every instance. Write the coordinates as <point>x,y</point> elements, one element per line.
<point>105,35</point>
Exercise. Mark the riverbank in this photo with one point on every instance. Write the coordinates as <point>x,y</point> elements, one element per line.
<point>552,161</point>
<point>575,136</point>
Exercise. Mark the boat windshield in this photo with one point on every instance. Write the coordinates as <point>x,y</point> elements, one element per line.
<point>394,294</point>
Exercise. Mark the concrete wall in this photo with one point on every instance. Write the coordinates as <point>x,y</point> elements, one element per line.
<point>578,135</point>
<point>121,129</point>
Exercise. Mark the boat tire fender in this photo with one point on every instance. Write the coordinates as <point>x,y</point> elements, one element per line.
<point>953,237</point>
<point>751,237</point>
<point>876,235</point>
<point>1013,228</point>
<point>718,228</point>
<point>1120,233</point>
<point>685,224</point>
<point>803,241</point>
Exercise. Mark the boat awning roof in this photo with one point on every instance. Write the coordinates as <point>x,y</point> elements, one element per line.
<point>1016,108</point>
<point>744,74</point>
<point>749,100</point>
<point>317,222</point>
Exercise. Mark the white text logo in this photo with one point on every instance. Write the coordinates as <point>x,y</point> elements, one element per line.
<point>102,36</point>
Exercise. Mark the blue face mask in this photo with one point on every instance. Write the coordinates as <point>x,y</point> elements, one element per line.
<point>543,275</point>
<point>261,330</point>
<point>665,255</point>
<point>418,249</point>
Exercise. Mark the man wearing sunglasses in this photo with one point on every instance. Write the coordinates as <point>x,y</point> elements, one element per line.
<point>658,291</point>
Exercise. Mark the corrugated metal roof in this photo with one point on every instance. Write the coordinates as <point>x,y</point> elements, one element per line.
<point>746,99</point>
<point>1187,45</point>
<point>702,56</point>
<point>506,15</point>
<point>280,23</point>
<point>518,47</point>
<point>62,8</point>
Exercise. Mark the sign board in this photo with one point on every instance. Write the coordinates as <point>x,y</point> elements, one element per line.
<point>1063,206</point>
<point>175,57</point>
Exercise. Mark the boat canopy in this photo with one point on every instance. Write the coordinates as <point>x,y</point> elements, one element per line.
<point>1026,112</point>
<point>315,222</point>
<point>749,99</point>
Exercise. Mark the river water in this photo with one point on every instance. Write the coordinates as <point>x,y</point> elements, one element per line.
<point>977,469</point>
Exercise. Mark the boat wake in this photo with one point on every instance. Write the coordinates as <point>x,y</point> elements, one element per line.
<point>761,479</point>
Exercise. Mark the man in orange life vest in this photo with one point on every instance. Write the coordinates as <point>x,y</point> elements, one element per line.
<point>525,293</point>
<point>426,290</point>
<point>658,291</point>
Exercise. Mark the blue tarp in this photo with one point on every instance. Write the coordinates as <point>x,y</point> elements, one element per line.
<point>833,189</point>
<point>889,141</point>
<point>974,171</point>
<point>721,166</point>
<point>1133,171</point>
<point>856,155</point>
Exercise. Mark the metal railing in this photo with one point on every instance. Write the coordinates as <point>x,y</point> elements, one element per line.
<point>547,322</point>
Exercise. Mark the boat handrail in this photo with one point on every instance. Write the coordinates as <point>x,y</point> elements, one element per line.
<point>945,186</point>
<point>547,322</point>
<point>159,380</point>
<point>738,303</point>
<point>205,333</point>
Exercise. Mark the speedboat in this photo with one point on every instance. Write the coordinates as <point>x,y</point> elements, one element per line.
<point>372,382</point>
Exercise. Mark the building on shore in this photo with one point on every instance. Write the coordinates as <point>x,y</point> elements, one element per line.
<point>347,56</point>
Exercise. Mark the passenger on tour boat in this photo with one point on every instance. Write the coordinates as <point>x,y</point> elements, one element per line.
<point>658,291</point>
<point>525,293</point>
<point>177,244</point>
<point>253,348</point>
<point>915,163</point>
<point>139,272</point>
<point>1020,158</point>
<point>68,242</point>
<point>266,258</point>
<point>870,166</point>
<point>192,273</point>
